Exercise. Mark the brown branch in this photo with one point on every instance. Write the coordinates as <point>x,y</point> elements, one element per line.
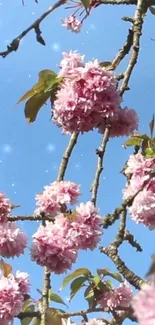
<point>137,32</point>
<point>61,173</point>
<point>36,26</point>
<point>132,241</point>
<point>66,156</point>
<point>123,51</point>
<point>121,231</point>
<point>100,152</point>
<point>29,218</point>
<point>130,276</point>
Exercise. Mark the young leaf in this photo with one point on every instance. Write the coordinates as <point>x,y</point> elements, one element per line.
<point>96,280</point>
<point>105,64</point>
<point>109,284</point>
<point>149,153</point>
<point>106,272</point>
<point>53,317</point>
<point>152,10</point>
<point>27,302</point>
<point>151,125</point>
<point>36,321</point>
<point>76,285</point>
<point>89,296</point>
<point>133,141</point>
<point>34,104</point>
<point>56,298</point>
<point>45,82</point>
<point>86,4</point>
<point>5,268</point>
<point>27,320</point>
<point>75,274</point>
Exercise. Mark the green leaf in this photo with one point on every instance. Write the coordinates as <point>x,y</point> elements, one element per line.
<point>27,320</point>
<point>34,104</point>
<point>76,285</point>
<point>96,280</point>
<point>134,141</point>
<point>46,80</point>
<point>152,10</point>
<point>86,4</point>
<point>149,153</point>
<point>89,296</point>
<point>56,298</point>
<point>36,321</point>
<point>109,284</point>
<point>106,272</point>
<point>105,64</point>
<point>26,304</point>
<point>5,268</point>
<point>75,274</point>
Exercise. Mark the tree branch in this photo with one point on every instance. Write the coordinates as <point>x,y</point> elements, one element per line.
<point>36,26</point>
<point>66,156</point>
<point>123,51</point>
<point>137,32</point>
<point>132,241</point>
<point>130,276</point>
<point>100,152</point>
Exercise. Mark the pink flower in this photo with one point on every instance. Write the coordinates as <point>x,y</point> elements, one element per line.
<point>85,228</point>
<point>11,299</point>
<point>86,98</point>
<point>118,297</point>
<point>56,194</point>
<point>22,279</point>
<point>138,164</point>
<point>5,208</point>
<point>71,61</point>
<point>143,207</point>
<point>52,248</point>
<point>123,123</point>
<point>72,24</point>
<point>12,240</point>
<point>143,304</point>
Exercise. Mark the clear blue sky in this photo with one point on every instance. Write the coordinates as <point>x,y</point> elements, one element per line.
<point>30,154</point>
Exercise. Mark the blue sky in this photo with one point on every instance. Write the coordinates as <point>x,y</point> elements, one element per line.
<point>30,154</point>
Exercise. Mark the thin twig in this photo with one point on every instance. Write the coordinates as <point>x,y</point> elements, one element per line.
<point>66,156</point>
<point>132,241</point>
<point>36,26</point>
<point>137,32</point>
<point>100,152</point>
<point>123,51</point>
<point>121,231</point>
<point>61,173</point>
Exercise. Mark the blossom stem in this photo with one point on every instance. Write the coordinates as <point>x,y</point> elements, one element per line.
<point>66,156</point>
<point>137,32</point>
<point>100,152</point>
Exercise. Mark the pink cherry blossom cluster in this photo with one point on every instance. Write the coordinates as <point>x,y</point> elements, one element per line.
<point>12,291</point>
<point>143,304</point>
<point>72,24</point>
<point>143,207</point>
<point>56,245</point>
<point>55,195</point>
<point>123,123</point>
<point>88,98</point>
<point>118,297</point>
<point>12,239</point>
